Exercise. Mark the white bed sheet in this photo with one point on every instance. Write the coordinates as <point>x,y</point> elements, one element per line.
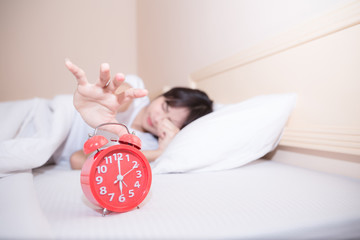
<point>263,199</point>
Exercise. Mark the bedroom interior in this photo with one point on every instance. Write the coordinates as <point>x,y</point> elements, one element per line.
<point>289,167</point>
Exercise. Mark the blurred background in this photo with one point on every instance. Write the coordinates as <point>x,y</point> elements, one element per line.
<point>162,41</point>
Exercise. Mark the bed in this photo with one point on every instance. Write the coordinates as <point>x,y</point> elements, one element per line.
<point>278,159</point>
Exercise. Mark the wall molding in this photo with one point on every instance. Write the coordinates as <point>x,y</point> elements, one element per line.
<point>330,139</point>
<point>334,21</point>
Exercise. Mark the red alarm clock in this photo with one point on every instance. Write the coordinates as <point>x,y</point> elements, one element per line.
<point>116,178</point>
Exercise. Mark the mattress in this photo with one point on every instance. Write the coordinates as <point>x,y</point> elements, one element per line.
<point>264,199</point>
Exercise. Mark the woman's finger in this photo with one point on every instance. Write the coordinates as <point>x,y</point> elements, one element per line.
<point>125,94</point>
<point>104,79</point>
<point>135,93</point>
<point>168,129</point>
<point>118,80</point>
<point>165,124</point>
<point>77,72</point>
<point>170,125</point>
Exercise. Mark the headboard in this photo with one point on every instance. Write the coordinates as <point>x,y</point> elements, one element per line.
<point>320,61</point>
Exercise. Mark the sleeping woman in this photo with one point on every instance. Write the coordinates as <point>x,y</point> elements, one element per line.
<point>125,100</point>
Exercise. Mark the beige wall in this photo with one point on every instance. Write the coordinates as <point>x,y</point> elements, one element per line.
<point>178,37</point>
<point>161,40</point>
<point>37,35</point>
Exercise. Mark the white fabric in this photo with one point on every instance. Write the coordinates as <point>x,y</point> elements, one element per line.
<point>262,200</point>
<point>21,216</point>
<point>230,137</point>
<point>33,130</point>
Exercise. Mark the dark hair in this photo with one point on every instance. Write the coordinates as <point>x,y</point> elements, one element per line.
<point>195,100</point>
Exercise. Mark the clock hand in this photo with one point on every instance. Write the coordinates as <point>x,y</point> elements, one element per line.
<point>119,166</point>
<point>135,166</point>
<point>119,177</point>
<point>124,183</point>
<point>121,187</point>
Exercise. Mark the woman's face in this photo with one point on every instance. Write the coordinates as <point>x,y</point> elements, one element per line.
<point>157,111</point>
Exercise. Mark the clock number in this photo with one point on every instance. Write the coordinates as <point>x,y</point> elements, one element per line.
<point>103,191</point>
<point>136,165</point>
<point>138,174</point>
<point>111,196</point>
<point>131,193</point>
<point>101,169</point>
<point>137,184</point>
<point>99,179</point>
<point>119,156</point>
<point>108,159</point>
<point>122,198</point>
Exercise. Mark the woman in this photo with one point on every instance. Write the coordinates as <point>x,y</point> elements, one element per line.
<point>156,122</point>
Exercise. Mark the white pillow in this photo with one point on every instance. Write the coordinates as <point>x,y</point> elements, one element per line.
<point>230,137</point>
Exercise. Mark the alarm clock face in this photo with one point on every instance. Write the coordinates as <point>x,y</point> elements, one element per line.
<point>120,178</point>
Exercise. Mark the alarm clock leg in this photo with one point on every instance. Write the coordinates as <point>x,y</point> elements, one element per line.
<point>105,211</point>
<point>137,207</point>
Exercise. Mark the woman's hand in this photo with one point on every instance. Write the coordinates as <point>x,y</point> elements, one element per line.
<point>167,131</point>
<point>99,102</point>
